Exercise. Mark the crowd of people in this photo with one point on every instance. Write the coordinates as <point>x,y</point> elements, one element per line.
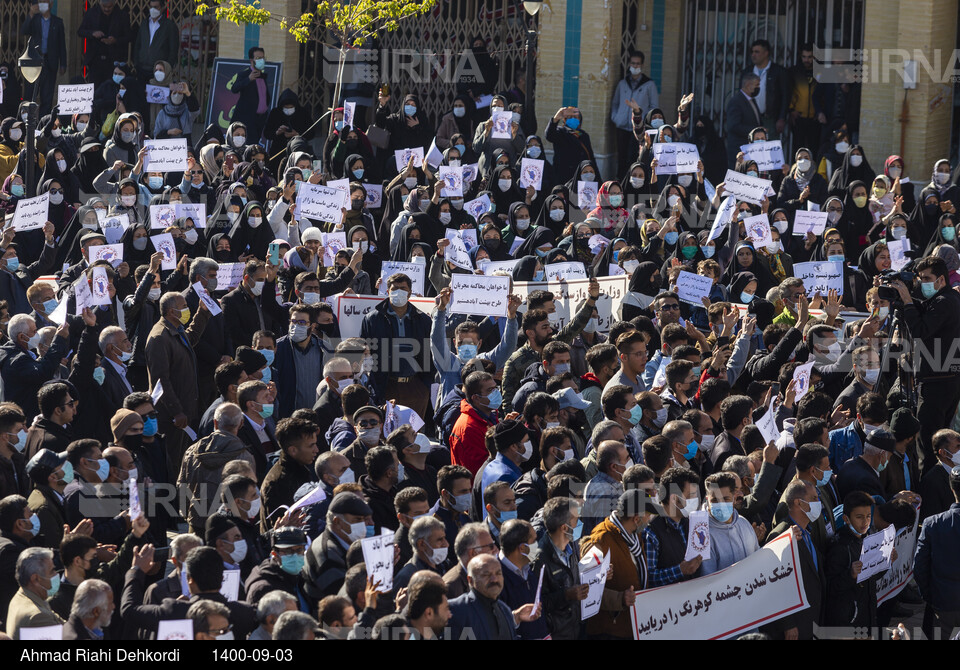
<point>262,446</point>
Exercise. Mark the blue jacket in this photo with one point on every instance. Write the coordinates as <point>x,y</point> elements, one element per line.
<point>516,593</point>
<point>286,369</point>
<point>469,622</point>
<point>845,443</point>
<point>934,565</point>
<point>500,469</point>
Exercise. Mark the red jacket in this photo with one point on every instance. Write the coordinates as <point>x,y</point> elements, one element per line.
<point>467,444</point>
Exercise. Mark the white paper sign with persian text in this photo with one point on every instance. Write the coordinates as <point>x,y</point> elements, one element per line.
<point>820,276</point>
<point>767,155</point>
<point>75,99</point>
<point>31,213</point>
<point>378,557</point>
<point>479,294</point>
<point>166,155</point>
<point>417,272</point>
<point>746,188</point>
<point>676,157</point>
<point>693,288</point>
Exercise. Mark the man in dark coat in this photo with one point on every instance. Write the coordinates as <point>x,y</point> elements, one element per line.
<point>17,276</point>
<point>742,115</point>
<point>106,32</point>
<point>254,88</point>
<point>861,473</point>
<point>47,35</point>
<point>297,439</point>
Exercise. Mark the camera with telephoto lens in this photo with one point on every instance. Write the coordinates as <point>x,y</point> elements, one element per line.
<point>886,291</point>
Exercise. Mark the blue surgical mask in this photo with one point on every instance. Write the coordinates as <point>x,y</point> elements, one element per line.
<point>692,449</point>
<point>13,264</point>
<point>267,375</point>
<point>150,427</point>
<point>577,531</point>
<point>18,190</point>
<point>461,148</point>
<point>533,151</point>
<point>371,531</point>
<point>99,375</point>
<point>495,398</point>
<point>709,252</point>
<point>507,516</point>
<point>928,289</point>
<point>721,511</point>
<point>751,173</point>
<point>836,258</point>
<point>745,297</point>
<point>155,183</point>
<point>103,468</point>
<point>635,415</point>
<point>260,63</point>
<point>538,275</point>
<point>542,254</point>
<point>67,472</point>
<point>825,479</point>
<point>358,173</point>
<point>50,305</point>
<point>268,354</point>
<point>616,200</point>
<point>338,125</point>
<point>292,564</point>
<point>671,237</point>
<point>409,110</point>
<point>117,78</point>
<point>573,123</point>
<point>54,586</point>
<point>467,351</point>
<point>34,525</point>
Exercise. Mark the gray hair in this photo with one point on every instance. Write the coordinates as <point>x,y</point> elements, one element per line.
<point>787,284</point>
<point>421,529</point>
<point>476,563</point>
<point>675,430</point>
<point>333,364</point>
<point>183,543</point>
<point>109,336</point>
<point>601,430</point>
<point>293,626</point>
<point>796,490</point>
<point>19,323</point>
<point>202,266</point>
<point>738,465</point>
<point>273,604</point>
<point>32,561</point>
<point>468,537</point>
<point>90,595</point>
<point>773,294</point>
<point>228,415</point>
<point>201,611</point>
<point>748,76</point>
<point>168,302</point>
<point>557,511</point>
<point>870,450</point>
<point>321,466</point>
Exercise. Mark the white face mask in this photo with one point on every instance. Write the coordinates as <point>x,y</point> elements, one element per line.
<point>636,182</point>
<point>445,217</point>
<point>191,236</point>
<point>527,450</point>
<point>630,266</point>
<point>128,200</point>
<point>15,134</point>
<point>661,419</point>
<point>842,147</point>
<point>438,555</point>
<point>706,442</point>
<point>56,198</point>
<point>591,326</point>
<point>239,551</point>
<point>159,75</point>
<point>239,140</point>
<point>803,164</point>
<point>856,160</point>
<point>347,477</point>
<point>357,531</point>
<point>257,288</point>
<point>673,200</point>
<point>153,295</point>
<point>62,165</point>
<point>398,297</point>
<point>523,224</point>
<point>690,505</point>
<point>504,184</point>
<point>556,214</point>
<point>81,126</point>
<point>255,221</point>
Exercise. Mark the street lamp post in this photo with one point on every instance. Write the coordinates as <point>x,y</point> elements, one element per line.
<point>531,7</point>
<point>31,64</point>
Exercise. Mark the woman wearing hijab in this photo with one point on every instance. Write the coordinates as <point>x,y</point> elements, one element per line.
<point>346,151</point>
<point>491,240</point>
<point>945,236</point>
<point>484,144</point>
<point>518,224</point>
<point>123,144</point>
<point>746,259</point>
<point>408,126</point>
<point>940,180</point>
<point>777,261</point>
<point>457,120</point>
<point>803,184</point>
<point>638,188</point>
<point>89,164</point>
<point>577,245</point>
<point>504,190</point>
<point>687,254</point>
<point>176,116</point>
<point>857,226</point>
<point>527,269</point>
<point>554,215</point>
<point>925,218</point>
<point>538,243</point>
<point>571,144</point>
<point>854,168</point>
<point>220,249</point>
<point>643,287</point>
<point>534,149</point>
<point>609,210</point>
<point>55,167</point>
<point>249,236</point>
<point>743,288</point>
<point>137,248</point>
<point>874,260</point>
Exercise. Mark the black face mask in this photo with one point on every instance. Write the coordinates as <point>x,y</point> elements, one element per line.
<point>492,244</point>
<point>133,441</point>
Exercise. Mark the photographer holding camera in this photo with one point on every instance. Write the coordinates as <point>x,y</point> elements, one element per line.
<point>934,325</point>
